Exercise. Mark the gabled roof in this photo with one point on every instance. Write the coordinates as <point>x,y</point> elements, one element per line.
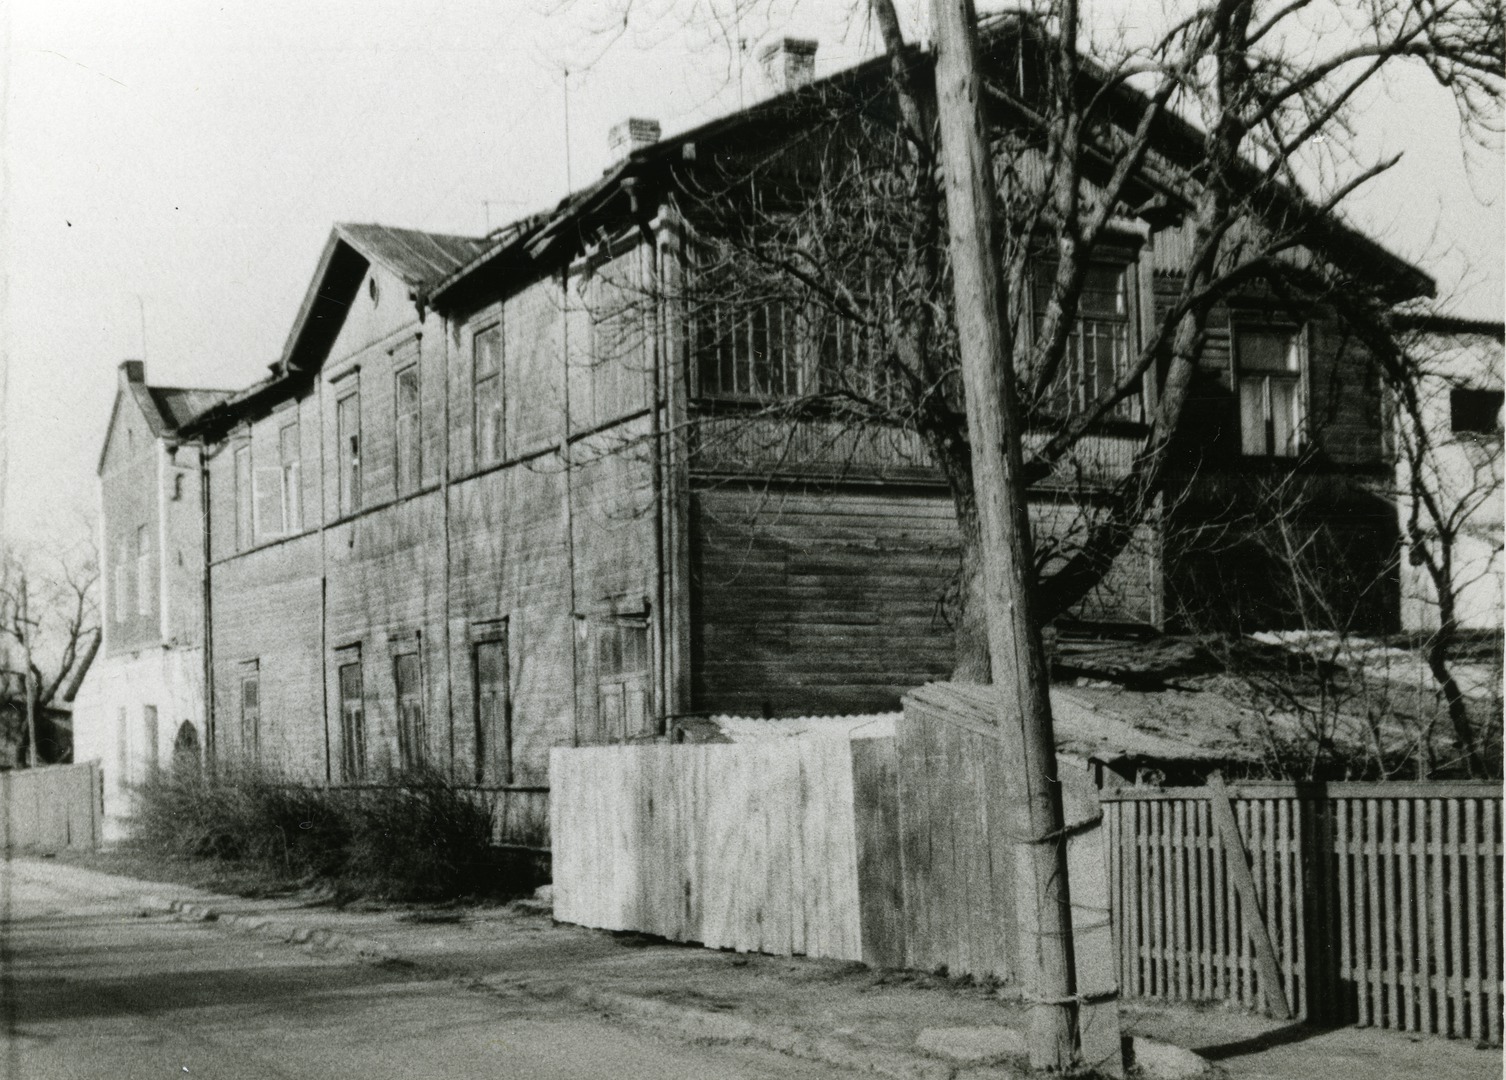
<point>176,405</point>
<point>418,259</point>
<point>165,408</point>
<point>1183,144</point>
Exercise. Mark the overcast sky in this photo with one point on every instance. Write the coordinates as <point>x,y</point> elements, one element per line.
<point>183,161</point>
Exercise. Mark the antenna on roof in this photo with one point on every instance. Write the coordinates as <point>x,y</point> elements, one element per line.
<point>569,184</point>
<point>141,307</point>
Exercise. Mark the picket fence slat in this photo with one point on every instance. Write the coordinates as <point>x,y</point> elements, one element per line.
<point>1383,903</point>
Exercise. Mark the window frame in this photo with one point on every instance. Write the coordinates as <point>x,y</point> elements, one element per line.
<point>490,766</point>
<point>348,451</point>
<point>412,738</point>
<point>355,763</point>
<point>1293,376</point>
<point>1123,345</point>
<point>290,476</point>
<point>245,495</point>
<point>143,571</point>
<point>250,715</point>
<point>488,393</point>
<point>407,449</point>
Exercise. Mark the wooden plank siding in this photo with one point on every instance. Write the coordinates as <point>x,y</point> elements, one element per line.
<point>50,808</point>
<point>1382,901</point>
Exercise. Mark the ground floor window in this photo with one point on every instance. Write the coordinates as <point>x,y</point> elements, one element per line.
<point>623,708</point>
<point>149,734</point>
<point>251,714</point>
<point>412,739</point>
<point>352,721</point>
<point>494,750</point>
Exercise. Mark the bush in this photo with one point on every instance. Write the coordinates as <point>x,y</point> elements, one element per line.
<point>427,839</point>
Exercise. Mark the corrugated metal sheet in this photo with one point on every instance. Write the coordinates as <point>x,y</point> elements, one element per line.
<point>419,258</point>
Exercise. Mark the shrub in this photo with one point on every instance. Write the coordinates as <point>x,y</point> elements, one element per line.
<point>426,839</point>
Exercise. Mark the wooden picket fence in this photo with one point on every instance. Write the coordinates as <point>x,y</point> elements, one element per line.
<point>51,808</point>
<point>1377,904</point>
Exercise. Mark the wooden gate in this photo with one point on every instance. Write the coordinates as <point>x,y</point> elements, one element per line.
<point>1381,902</point>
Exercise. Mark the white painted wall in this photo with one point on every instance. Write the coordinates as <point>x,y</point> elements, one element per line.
<point>109,719</point>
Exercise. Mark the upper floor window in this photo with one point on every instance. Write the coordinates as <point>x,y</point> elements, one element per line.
<point>348,451</point>
<point>290,463</point>
<point>143,571</point>
<point>121,572</point>
<point>1268,367</point>
<point>1475,413</point>
<point>408,451</point>
<point>1098,353</point>
<point>243,497</point>
<point>487,357</point>
<point>747,351</point>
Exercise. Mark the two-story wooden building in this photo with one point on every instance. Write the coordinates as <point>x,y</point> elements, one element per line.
<point>500,494</point>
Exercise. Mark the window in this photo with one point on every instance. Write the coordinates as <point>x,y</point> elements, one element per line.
<point>352,721</point>
<point>348,454</point>
<point>1475,412</point>
<point>186,745</point>
<point>412,740</point>
<point>251,713</point>
<point>488,380</point>
<point>622,704</point>
<point>121,600</point>
<point>290,460</point>
<point>243,497</point>
<point>1269,363</point>
<point>143,571</point>
<point>747,351</point>
<point>494,749</point>
<point>1097,354</point>
<point>408,460</point>
<point>177,486</point>
<point>122,749</point>
<point>149,735</point>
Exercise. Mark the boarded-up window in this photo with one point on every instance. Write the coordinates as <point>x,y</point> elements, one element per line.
<point>412,739</point>
<point>290,455</point>
<point>149,735</point>
<point>622,679</point>
<point>243,497</point>
<point>251,715</point>
<point>352,722</point>
<point>144,574</point>
<point>1269,364</point>
<point>493,712</point>
<point>488,384</point>
<point>348,432</point>
<point>408,452</point>
<point>267,488</point>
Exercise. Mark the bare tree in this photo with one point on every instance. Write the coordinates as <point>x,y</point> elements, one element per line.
<point>824,246</point>
<point>49,619</point>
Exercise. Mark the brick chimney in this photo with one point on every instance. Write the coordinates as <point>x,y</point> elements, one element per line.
<point>789,63</point>
<point>628,135</point>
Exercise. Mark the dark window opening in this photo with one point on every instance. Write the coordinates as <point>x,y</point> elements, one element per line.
<point>348,431</point>
<point>251,717</point>
<point>411,736</point>
<point>494,747</point>
<point>352,723</point>
<point>1475,412</point>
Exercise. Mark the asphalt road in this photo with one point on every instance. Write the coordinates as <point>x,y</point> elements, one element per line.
<point>92,988</point>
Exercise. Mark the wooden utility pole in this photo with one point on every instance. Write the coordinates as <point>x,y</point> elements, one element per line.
<point>1019,664</point>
